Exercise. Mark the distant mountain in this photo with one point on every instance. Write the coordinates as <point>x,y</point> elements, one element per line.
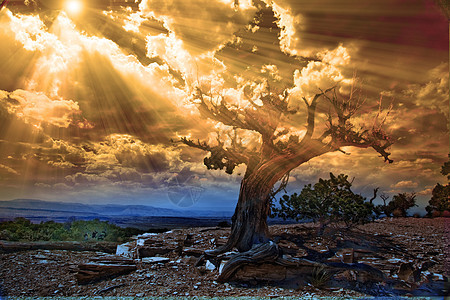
<point>34,207</point>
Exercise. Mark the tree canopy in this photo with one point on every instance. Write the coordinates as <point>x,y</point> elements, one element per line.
<point>328,201</point>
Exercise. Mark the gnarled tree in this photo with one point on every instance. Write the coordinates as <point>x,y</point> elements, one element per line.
<point>280,150</point>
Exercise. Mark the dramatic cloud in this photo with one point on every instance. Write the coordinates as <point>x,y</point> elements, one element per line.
<point>36,108</point>
<point>8,170</point>
<point>405,184</point>
<point>89,106</point>
<point>433,94</point>
<point>201,25</point>
<point>319,76</point>
<point>288,23</point>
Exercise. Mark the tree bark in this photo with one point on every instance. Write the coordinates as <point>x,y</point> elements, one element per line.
<point>249,222</point>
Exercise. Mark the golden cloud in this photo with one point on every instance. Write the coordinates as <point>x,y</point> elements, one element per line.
<point>36,108</point>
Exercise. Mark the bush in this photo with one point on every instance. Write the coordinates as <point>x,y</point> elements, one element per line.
<point>440,200</point>
<point>401,203</point>
<point>329,201</point>
<point>22,229</point>
<point>439,204</point>
<point>224,224</point>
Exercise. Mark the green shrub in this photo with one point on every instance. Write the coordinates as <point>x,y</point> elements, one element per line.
<point>400,204</point>
<point>22,229</point>
<point>439,204</point>
<point>328,201</point>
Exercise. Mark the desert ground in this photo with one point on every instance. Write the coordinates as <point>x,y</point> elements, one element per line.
<point>412,254</point>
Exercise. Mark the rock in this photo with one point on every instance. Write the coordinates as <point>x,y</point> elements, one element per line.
<point>405,270</point>
<point>146,235</point>
<point>154,260</point>
<point>188,241</point>
<point>42,261</point>
<point>91,272</point>
<point>146,251</point>
<point>126,250</point>
<point>426,265</point>
<point>361,253</point>
<point>210,266</point>
<point>288,247</point>
<point>201,270</point>
<point>193,252</point>
<point>348,256</point>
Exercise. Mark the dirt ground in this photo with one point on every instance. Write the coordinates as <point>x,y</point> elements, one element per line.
<point>422,244</point>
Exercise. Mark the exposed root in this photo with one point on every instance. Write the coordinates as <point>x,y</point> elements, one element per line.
<point>260,253</point>
<point>265,262</point>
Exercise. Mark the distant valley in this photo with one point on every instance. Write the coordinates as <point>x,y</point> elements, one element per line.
<point>140,216</point>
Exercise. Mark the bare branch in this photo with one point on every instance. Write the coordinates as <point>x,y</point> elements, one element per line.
<point>282,187</point>
<point>375,191</point>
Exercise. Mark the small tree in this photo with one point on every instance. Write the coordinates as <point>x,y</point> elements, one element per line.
<point>440,200</point>
<point>400,204</point>
<point>383,208</point>
<point>328,201</point>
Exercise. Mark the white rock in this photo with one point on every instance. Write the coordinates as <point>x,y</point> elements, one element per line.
<point>210,266</point>
<point>146,235</point>
<point>395,260</point>
<point>153,260</point>
<point>140,242</point>
<point>125,249</point>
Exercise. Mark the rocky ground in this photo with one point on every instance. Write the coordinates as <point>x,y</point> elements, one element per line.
<point>412,253</point>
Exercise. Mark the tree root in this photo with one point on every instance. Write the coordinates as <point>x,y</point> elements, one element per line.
<point>260,253</point>
<point>265,262</point>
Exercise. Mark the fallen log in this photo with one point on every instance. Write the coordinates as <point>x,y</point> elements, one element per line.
<point>100,268</point>
<point>10,247</point>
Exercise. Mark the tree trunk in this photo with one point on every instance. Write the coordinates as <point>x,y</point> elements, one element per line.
<point>249,222</point>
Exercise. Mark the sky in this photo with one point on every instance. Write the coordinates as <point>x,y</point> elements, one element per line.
<point>95,94</point>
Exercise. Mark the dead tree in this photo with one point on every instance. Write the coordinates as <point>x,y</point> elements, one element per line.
<point>280,150</point>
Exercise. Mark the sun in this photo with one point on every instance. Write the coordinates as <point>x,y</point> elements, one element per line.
<point>73,7</point>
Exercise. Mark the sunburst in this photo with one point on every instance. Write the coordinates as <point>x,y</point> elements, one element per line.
<point>73,7</point>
